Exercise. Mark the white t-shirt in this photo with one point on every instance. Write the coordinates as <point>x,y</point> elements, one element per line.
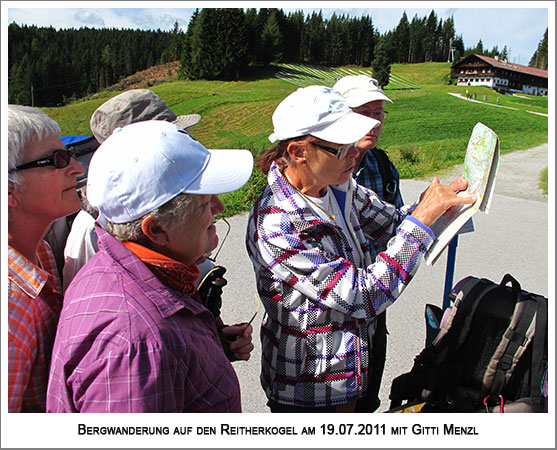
<point>329,203</point>
<point>81,245</point>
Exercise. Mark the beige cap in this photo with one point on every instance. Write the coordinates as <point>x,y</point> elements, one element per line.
<point>135,105</point>
<point>359,90</point>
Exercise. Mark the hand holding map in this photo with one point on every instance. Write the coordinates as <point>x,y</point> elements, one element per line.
<point>480,170</point>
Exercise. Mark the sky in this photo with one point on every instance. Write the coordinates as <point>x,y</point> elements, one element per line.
<point>494,22</point>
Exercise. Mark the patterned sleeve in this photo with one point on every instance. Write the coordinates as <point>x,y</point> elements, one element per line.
<point>309,264</point>
<point>379,220</point>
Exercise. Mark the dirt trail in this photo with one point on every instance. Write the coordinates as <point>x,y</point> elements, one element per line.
<point>518,175</point>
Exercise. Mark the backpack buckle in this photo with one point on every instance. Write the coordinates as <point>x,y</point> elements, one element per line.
<point>494,403</point>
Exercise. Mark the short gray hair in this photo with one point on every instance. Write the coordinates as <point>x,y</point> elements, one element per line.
<point>174,211</point>
<point>25,125</point>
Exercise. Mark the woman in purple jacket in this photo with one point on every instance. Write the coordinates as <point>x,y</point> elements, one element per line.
<point>307,238</point>
<point>133,334</point>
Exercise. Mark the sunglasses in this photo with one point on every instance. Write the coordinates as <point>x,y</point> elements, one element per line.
<point>338,152</point>
<point>60,158</point>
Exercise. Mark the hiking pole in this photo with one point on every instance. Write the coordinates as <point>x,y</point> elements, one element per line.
<point>449,274</point>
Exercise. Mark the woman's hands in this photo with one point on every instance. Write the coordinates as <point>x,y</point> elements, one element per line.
<point>439,199</point>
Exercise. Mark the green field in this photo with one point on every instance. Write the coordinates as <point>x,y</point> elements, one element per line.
<point>427,129</point>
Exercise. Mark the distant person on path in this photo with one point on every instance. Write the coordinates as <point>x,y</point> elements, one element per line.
<point>42,178</point>
<point>375,171</point>
<point>133,334</point>
<point>498,100</point>
<point>307,238</point>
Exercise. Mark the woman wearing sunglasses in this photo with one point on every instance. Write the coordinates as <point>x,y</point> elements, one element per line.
<point>42,178</point>
<point>307,239</point>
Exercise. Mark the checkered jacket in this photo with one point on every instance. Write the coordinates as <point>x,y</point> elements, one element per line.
<point>318,303</point>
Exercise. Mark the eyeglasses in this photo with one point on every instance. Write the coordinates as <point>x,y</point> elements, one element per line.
<point>60,158</point>
<point>338,152</point>
<point>376,114</point>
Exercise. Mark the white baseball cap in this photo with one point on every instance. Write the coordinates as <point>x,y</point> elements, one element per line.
<point>321,112</point>
<point>359,90</point>
<point>143,165</point>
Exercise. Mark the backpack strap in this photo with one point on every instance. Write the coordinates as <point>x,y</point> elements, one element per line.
<point>539,355</point>
<point>390,186</point>
<point>434,372</point>
<point>514,341</point>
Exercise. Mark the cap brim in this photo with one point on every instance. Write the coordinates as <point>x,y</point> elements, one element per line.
<point>363,97</point>
<point>350,128</point>
<point>187,120</point>
<point>226,171</point>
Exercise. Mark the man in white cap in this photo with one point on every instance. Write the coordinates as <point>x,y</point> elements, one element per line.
<point>133,334</point>
<point>364,96</point>
<point>376,171</point>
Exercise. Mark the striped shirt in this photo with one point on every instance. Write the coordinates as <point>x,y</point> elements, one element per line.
<point>34,301</point>
<point>317,301</point>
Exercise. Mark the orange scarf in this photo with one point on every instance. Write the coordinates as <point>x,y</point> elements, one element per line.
<point>171,273</point>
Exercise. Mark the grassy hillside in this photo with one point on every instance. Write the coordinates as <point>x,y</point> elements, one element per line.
<point>427,129</point>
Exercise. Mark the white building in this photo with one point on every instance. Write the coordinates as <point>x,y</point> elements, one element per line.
<point>502,76</point>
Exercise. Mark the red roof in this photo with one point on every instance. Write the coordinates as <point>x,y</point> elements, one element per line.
<point>511,66</point>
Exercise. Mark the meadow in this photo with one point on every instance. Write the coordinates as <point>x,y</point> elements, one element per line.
<point>426,131</point>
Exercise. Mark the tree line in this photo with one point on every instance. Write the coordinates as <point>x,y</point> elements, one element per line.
<point>49,67</point>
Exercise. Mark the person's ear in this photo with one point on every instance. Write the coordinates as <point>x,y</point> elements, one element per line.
<point>12,197</point>
<point>153,230</point>
<point>297,152</point>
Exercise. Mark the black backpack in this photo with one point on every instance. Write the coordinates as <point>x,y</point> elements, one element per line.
<point>489,354</point>
<point>390,186</point>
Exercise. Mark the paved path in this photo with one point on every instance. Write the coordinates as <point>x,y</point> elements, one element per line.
<point>512,238</point>
<point>463,97</point>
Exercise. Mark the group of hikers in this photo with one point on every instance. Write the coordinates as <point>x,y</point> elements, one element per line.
<point>125,325</point>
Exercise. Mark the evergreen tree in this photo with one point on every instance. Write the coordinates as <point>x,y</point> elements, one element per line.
<point>313,39</point>
<point>504,55</point>
<point>272,40</point>
<point>416,48</point>
<point>218,44</point>
<point>294,25</point>
<point>335,37</point>
<point>458,44</point>
<point>380,64</point>
<point>401,41</point>
<point>253,34</point>
<point>185,67</point>
<point>361,41</point>
<point>430,37</point>
<point>447,37</point>
<point>539,58</point>
<point>176,42</point>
